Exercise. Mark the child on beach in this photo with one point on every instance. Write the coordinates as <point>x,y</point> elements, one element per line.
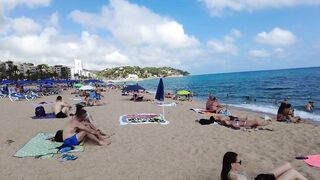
<point>231,165</point>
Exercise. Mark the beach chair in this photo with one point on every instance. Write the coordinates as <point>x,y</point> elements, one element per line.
<point>15,96</point>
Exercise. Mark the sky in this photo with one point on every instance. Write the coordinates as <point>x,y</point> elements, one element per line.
<point>199,36</point>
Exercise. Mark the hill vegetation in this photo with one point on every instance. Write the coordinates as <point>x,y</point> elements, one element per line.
<point>147,72</point>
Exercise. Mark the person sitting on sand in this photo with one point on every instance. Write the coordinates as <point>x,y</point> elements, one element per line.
<point>309,106</point>
<point>88,121</point>
<point>286,113</point>
<point>75,131</point>
<point>231,165</point>
<point>61,109</point>
<point>237,123</point>
<point>91,99</point>
<point>137,96</point>
<point>213,105</point>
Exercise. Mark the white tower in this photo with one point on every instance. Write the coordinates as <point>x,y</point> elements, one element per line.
<point>78,69</point>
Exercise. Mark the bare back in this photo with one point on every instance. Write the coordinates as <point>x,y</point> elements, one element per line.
<point>70,128</point>
<point>58,106</point>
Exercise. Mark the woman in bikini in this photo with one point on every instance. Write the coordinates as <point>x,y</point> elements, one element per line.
<point>237,123</point>
<point>231,166</point>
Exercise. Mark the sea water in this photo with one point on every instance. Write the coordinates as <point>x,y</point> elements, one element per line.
<point>257,90</point>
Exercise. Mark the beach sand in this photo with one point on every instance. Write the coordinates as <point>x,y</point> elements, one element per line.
<point>182,149</point>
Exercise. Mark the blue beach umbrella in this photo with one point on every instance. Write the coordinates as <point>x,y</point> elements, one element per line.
<point>160,94</point>
<point>160,91</point>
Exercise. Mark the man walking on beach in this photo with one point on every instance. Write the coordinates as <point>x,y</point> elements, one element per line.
<point>61,109</point>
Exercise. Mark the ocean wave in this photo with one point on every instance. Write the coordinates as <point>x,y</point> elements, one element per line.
<point>273,110</point>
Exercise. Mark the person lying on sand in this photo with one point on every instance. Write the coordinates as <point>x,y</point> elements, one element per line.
<point>231,166</point>
<point>237,123</point>
<point>75,131</point>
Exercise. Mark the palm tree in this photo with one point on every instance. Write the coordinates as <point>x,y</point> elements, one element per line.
<point>43,71</point>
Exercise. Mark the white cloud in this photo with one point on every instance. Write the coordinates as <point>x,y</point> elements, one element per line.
<point>131,24</point>
<point>222,47</point>
<point>24,26</point>
<point>221,7</point>
<point>147,39</point>
<point>227,45</point>
<point>277,37</point>
<point>54,20</point>
<point>117,58</point>
<point>11,4</point>
<point>277,52</point>
<point>259,53</point>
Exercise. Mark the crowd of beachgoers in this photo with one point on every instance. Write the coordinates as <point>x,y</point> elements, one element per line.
<point>80,126</point>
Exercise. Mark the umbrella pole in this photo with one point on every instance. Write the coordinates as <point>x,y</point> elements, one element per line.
<point>163,111</point>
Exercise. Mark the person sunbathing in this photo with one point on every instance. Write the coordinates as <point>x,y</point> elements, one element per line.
<point>213,105</point>
<point>231,165</point>
<point>75,131</point>
<point>237,123</point>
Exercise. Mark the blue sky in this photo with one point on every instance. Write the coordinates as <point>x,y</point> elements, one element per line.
<point>200,36</point>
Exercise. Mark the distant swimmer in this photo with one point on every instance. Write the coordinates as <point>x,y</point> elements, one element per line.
<point>309,106</point>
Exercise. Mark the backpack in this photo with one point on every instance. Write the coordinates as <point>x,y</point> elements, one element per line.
<point>40,112</point>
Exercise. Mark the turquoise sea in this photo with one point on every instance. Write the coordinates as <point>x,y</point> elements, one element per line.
<point>256,90</point>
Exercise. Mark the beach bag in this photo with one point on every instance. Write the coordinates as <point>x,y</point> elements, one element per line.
<point>40,112</point>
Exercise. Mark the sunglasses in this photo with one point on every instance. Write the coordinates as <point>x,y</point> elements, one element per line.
<point>238,162</point>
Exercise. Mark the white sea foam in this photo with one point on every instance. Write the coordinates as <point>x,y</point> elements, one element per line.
<point>273,110</point>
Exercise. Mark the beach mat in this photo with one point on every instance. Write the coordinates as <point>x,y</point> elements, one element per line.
<point>48,116</point>
<point>40,147</point>
<point>142,119</point>
<point>313,160</point>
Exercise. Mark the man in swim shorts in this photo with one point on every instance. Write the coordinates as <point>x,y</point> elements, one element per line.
<point>61,109</point>
<point>75,131</point>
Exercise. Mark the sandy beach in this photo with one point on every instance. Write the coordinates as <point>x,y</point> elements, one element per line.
<point>183,149</point>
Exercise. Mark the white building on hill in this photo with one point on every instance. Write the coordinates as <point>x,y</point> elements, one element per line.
<point>79,72</point>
